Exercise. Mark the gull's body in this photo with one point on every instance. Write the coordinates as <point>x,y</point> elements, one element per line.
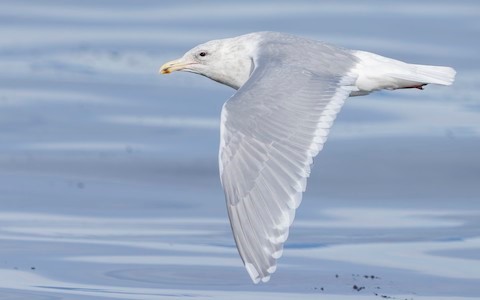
<point>290,90</point>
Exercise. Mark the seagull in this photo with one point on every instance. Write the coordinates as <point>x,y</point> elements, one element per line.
<point>289,90</point>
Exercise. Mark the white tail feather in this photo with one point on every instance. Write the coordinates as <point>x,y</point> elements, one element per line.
<point>428,74</point>
<point>376,72</point>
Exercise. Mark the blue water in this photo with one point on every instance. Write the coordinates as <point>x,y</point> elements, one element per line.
<point>109,182</point>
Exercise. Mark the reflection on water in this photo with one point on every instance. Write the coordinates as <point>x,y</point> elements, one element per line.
<point>45,285</point>
<point>109,182</point>
<point>169,252</point>
<point>413,256</point>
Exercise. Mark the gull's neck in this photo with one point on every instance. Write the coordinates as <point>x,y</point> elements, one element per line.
<point>234,63</point>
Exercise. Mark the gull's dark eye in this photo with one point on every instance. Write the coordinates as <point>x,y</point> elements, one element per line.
<point>203,54</point>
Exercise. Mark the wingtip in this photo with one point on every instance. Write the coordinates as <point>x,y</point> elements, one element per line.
<point>266,279</point>
<point>256,277</point>
<point>272,269</point>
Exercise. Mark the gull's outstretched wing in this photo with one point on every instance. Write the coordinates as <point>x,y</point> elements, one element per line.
<point>271,130</point>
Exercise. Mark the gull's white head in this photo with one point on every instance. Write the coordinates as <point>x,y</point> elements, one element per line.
<point>228,61</point>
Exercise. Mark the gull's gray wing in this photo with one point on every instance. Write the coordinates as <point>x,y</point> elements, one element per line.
<point>271,130</point>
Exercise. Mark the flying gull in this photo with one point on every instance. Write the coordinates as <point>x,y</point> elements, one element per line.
<point>289,91</point>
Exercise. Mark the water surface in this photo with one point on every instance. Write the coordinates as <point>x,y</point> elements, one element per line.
<point>109,182</point>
